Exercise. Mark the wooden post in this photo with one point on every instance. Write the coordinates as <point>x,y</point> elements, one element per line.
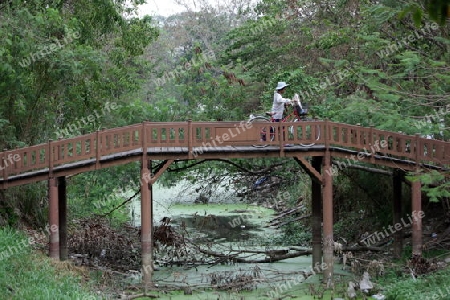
<point>146,215</point>
<point>53,218</point>
<point>328,241</point>
<point>316,199</point>
<point>150,211</point>
<point>416,217</point>
<point>416,194</point>
<point>397,178</point>
<point>62,208</point>
<point>146,227</point>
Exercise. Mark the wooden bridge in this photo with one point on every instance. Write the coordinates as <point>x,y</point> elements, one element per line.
<point>169,142</point>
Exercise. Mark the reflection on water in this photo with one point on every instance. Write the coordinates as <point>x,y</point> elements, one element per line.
<point>230,228</point>
<point>166,201</point>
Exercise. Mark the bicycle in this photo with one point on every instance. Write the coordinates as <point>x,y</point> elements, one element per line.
<point>298,114</point>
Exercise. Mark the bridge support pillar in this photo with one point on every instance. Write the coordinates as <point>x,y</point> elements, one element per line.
<point>328,240</point>
<point>316,197</point>
<point>62,211</point>
<point>416,215</point>
<point>146,224</point>
<point>397,179</point>
<point>53,218</point>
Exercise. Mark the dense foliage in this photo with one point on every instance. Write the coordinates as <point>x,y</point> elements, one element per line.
<point>62,61</point>
<point>381,63</point>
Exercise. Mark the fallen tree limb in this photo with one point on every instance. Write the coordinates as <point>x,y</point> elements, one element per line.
<point>286,212</point>
<point>271,258</point>
<point>266,252</point>
<point>344,248</point>
<point>142,295</point>
<point>278,225</point>
<point>362,248</point>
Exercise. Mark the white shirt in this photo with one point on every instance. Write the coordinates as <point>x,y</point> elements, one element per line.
<point>278,105</point>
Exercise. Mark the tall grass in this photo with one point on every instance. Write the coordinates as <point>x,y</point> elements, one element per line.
<point>434,286</point>
<point>26,274</point>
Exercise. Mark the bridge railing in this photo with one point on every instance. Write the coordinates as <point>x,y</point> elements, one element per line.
<point>220,134</point>
<point>278,134</point>
<point>119,140</point>
<point>372,141</point>
<point>73,149</point>
<point>166,134</point>
<point>193,136</point>
<point>375,141</point>
<point>24,159</point>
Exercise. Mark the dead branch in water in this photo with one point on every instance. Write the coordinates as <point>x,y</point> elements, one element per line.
<point>272,255</point>
<point>142,295</point>
<point>353,249</point>
<point>279,224</point>
<point>280,219</point>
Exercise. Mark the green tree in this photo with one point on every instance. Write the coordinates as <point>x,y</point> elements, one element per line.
<point>62,61</point>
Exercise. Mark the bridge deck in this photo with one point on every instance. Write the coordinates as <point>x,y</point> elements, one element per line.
<point>213,140</point>
<point>182,153</point>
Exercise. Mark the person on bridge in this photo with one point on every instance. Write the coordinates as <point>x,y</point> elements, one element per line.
<point>279,101</point>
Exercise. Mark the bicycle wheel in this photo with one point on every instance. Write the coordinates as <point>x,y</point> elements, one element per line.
<point>266,133</point>
<point>311,132</point>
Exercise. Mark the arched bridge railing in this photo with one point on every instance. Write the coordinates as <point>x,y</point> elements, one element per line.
<point>196,137</point>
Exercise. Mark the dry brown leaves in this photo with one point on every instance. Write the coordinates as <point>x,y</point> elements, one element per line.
<point>95,243</point>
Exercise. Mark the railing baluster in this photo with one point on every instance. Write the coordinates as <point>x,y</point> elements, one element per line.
<point>144,142</point>
<point>190,137</point>
<point>50,159</point>
<point>19,163</point>
<point>97,150</point>
<point>5,169</point>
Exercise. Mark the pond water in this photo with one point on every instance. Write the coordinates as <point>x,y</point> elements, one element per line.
<point>224,225</point>
<point>225,218</point>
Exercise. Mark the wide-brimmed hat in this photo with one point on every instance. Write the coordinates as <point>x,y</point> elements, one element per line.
<point>281,85</point>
